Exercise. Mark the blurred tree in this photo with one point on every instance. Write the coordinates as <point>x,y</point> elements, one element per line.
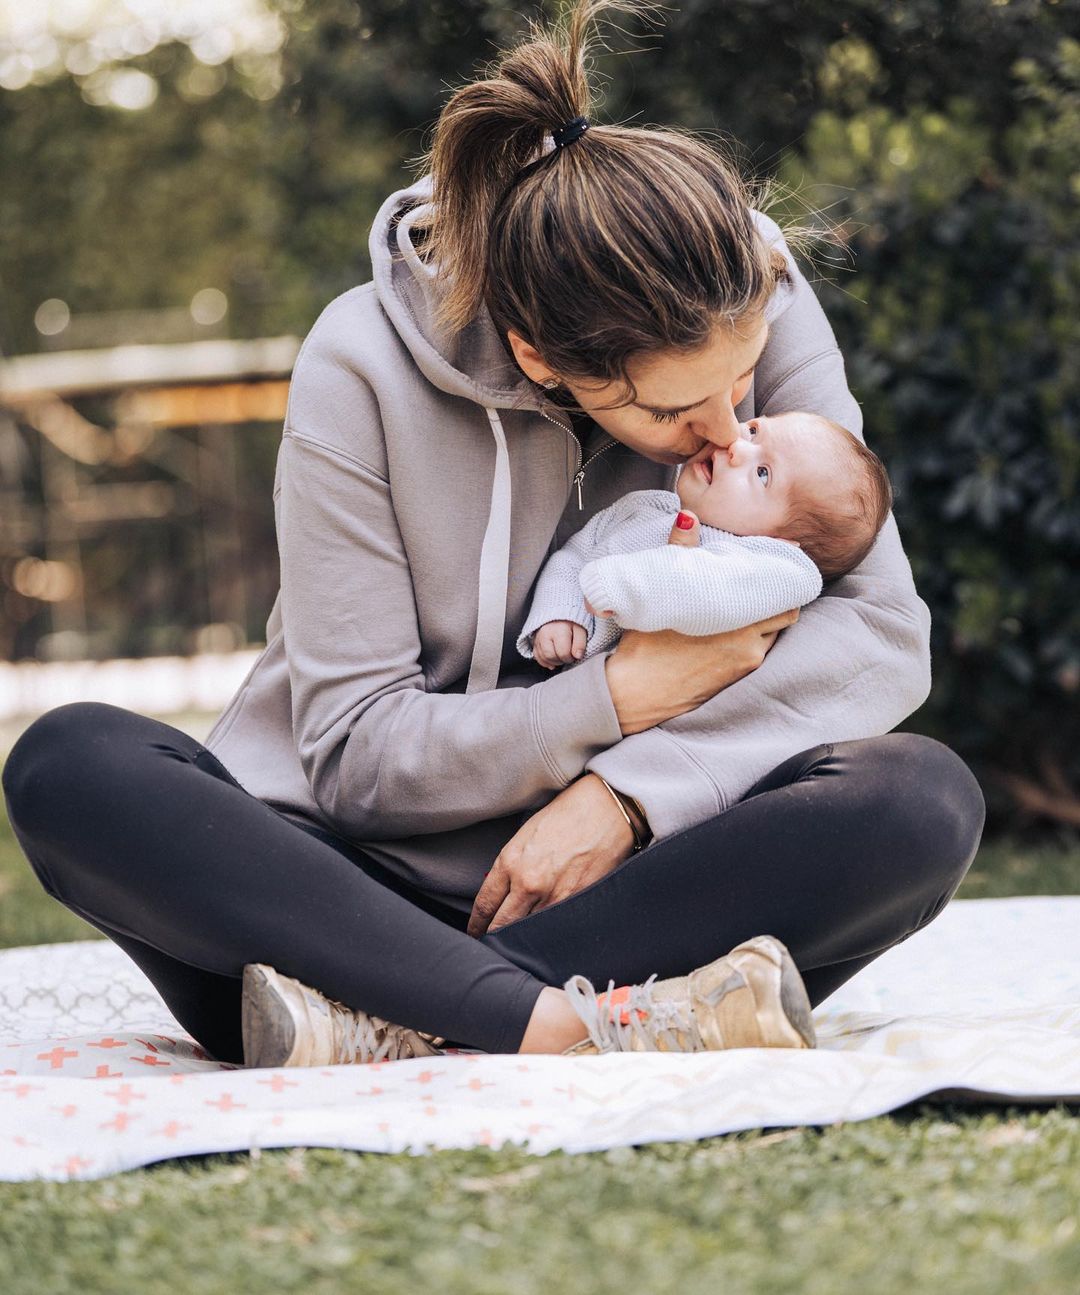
<point>963,342</point>
<point>113,208</point>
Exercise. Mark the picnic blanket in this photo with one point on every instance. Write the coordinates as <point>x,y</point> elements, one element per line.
<point>96,1076</point>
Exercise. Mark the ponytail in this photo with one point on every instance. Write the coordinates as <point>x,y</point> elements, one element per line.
<point>631,240</point>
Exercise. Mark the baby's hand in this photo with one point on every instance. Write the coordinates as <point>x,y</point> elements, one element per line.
<point>559,642</point>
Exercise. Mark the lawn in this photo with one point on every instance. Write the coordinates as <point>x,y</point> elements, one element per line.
<point>954,1199</point>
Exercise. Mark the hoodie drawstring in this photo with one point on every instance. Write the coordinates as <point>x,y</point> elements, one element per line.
<point>494,572</point>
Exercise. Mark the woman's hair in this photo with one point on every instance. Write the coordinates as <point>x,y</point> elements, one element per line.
<point>629,241</point>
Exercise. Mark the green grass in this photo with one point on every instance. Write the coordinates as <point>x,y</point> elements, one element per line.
<point>955,1199</point>
<point>968,1202</point>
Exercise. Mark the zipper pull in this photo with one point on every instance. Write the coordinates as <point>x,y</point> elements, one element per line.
<point>577,482</point>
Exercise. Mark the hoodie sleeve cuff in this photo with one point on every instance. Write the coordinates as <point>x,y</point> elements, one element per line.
<point>671,787</point>
<point>574,716</point>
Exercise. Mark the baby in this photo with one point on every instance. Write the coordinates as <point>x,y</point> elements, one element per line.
<point>794,501</point>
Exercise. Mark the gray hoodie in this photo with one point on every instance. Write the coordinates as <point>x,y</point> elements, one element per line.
<point>422,482</point>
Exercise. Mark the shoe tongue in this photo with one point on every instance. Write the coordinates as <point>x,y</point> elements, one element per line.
<point>608,1002</point>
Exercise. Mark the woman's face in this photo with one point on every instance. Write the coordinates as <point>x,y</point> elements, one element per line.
<point>685,399</point>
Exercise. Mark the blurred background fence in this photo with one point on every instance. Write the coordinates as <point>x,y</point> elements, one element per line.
<point>184,185</point>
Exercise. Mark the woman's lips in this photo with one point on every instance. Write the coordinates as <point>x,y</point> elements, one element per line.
<point>704,466</point>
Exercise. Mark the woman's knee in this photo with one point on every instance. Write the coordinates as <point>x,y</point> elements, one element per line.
<point>926,801</point>
<point>59,752</point>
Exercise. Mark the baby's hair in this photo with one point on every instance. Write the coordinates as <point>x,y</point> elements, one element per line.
<point>837,534</point>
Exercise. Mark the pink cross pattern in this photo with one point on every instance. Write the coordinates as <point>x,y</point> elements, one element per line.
<point>21,1090</point>
<point>66,1111</point>
<point>120,1121</point>
<point>171,1129</point>
<point>73,1164</point>
<point>57,1056</point>
<point>225,1103</point>
<point>150,1060</point>
<point>103,1072</point>
<point>278,1083</point>
<point>108,1042</point>
<point>125,1093</point>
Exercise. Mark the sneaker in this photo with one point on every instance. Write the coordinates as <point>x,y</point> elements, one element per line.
<point>286,1023</point>
<point>753,997</point>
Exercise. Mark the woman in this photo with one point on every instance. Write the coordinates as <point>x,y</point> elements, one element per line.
<point>396,812</point>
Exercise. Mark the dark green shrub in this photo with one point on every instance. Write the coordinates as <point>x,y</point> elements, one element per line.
<point>962,334</point>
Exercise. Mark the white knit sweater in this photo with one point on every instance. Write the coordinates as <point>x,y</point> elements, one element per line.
<point>621,559</point>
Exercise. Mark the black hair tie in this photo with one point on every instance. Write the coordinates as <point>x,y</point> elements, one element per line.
<point>563,137</point>
<point>572,130</point>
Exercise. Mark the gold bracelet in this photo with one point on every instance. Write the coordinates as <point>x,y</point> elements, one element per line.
<point>638,843</point>
<point>640,812</point>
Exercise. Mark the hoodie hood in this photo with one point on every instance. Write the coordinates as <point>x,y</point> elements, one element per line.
<point>473,362</point>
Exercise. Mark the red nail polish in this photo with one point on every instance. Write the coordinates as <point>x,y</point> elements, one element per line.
<point>684,521</point>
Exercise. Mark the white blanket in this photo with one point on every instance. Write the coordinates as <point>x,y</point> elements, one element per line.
<point>95,1076</point>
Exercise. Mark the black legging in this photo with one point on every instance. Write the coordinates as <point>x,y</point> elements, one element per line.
<point>841,852</point>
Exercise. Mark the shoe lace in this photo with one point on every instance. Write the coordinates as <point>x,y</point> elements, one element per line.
<point>668,1020</point>
<point>367,1038</point>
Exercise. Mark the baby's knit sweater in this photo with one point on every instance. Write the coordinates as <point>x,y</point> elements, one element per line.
<point>621,559</point>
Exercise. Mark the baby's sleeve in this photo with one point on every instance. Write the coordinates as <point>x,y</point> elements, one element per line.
<point>557,594</point>
<point>697,591</point>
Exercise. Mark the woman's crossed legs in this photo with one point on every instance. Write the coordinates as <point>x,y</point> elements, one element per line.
<point>840,852</point>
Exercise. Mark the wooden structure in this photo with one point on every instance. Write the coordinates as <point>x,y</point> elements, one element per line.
<point>148,393</point>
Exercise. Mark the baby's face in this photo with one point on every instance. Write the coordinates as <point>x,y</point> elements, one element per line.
<point>746,488</point>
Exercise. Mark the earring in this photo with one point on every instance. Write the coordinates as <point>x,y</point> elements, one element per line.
<point>549,383</point>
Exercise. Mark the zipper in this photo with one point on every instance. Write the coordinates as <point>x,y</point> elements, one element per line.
<point>579,475</point>
<point>581,471</point>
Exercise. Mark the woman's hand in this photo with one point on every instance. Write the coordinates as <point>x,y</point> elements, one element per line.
<point>576,839</point>
<point>655,675</point>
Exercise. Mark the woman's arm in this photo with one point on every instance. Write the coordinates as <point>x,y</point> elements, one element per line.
<point>384,757</point>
